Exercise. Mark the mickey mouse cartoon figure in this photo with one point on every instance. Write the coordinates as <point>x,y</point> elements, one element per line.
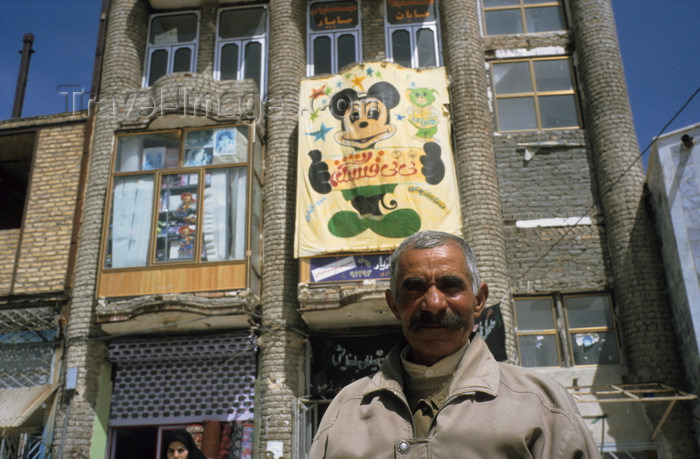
<point>366,120</point>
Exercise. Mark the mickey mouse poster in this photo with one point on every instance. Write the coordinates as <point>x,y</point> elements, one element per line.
<point>375,160</point>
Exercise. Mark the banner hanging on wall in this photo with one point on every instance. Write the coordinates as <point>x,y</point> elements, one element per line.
<point>375,160</point>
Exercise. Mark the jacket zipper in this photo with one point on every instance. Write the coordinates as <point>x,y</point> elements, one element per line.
<point>401,397</point>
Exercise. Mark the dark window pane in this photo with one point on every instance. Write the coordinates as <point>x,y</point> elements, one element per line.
<point>558,111</point>
<point>538,350</point>
<point>553,75</point>
<point>516,114</point>
<point>175,28</point>
<point>594,348</point>
<point>229,62</point>
<point>253,62</point>
<point>159,65</point>
<point>534,314</point>
<point>503,22</point>
<point>346,50</point>
<point>544,19</point>
<point>401,47</point>
<point>322,55</point>
<point>240,23</point>
<point>495,3</point>
<point>512,78</point>
<point>183,59</point>
<point>426,48</point>
<point>588,311</point>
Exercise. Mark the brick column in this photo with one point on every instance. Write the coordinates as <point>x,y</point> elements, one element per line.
<point>472,122</point>
<point>122,70</point>
<point>282,352</point>
<point>641,300</point>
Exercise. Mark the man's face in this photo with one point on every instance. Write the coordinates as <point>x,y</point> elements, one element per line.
<point>435,303</point>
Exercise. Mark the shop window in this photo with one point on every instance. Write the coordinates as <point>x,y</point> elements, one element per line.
<point>185,196</point>
<point>241,49</point>
<point>172,45</point>
<point>412,34</point>
<point>535,94</point>
<point>202,383</point>
<point>15,165</point>
<point>566,330</point>
<point>523,16</point>
<point>333,38</point>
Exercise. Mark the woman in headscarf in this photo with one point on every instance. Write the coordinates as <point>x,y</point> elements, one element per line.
<point>179,444</point>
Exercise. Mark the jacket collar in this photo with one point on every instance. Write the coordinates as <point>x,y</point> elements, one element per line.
<point>477,372</point>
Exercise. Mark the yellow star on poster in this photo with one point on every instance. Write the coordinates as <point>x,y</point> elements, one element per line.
<point>313,115</point>
<point>357,81</point>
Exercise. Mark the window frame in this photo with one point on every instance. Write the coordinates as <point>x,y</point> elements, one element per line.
<point>170,48</point>
<point>332,35</point>
<point>562,330</point>
<point>536,94</point>
<point>412,30</point>
<point>242,42</point>
<point>253,175</point>
<point>522,7</point>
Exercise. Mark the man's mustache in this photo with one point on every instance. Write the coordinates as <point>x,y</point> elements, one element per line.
<point>442,318</point>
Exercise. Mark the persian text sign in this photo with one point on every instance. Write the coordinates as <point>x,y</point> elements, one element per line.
<point>375,161</point>
<point>349,268</point>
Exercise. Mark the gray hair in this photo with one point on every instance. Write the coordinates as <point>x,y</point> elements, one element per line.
<point>430,240</point>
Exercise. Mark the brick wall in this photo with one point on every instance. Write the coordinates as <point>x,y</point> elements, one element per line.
<point>48,220</point>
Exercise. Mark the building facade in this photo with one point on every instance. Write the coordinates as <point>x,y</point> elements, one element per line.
<point>672,185</point>
<point>197,304</point>
<point>41,170</point>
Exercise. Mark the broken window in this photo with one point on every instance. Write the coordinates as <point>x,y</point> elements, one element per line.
<point>566,330</point>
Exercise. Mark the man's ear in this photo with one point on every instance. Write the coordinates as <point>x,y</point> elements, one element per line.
<point>481,299</point>
<point>392,303</point>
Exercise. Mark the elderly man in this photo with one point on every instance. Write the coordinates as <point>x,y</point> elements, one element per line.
<point>443,395</point>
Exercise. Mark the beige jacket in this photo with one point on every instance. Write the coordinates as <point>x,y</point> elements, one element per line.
<point>493,410</point>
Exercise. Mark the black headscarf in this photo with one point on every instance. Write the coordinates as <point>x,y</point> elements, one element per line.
<point>186,439</point>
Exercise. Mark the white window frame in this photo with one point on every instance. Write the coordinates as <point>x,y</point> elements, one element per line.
<point>311,35</point>
<point>242,42</point>
<point>412,30</point>
<point>170,48</point>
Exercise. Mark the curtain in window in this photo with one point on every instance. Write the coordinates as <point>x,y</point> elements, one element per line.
<point>131,220</point>
<point>224,215</point>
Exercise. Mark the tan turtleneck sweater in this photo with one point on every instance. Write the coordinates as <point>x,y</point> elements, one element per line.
<point>426,387</point>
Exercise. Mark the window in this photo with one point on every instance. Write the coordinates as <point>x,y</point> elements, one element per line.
<point>15,164</point>
<point>566,330</point>
<point>333,36</point>
<point>535,94</point>
<point>522,16</point>
<point>183,196</point>
<point>241,49</point>
<point>412,35</point>
<point>172,45</point>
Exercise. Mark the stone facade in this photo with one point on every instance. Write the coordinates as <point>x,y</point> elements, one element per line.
<point>505,179</point>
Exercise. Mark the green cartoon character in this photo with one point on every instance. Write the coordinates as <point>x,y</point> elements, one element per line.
<point>421,115</point>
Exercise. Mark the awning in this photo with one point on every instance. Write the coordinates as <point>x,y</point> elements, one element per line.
<point>638,393</point>
<point>17,405</point>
